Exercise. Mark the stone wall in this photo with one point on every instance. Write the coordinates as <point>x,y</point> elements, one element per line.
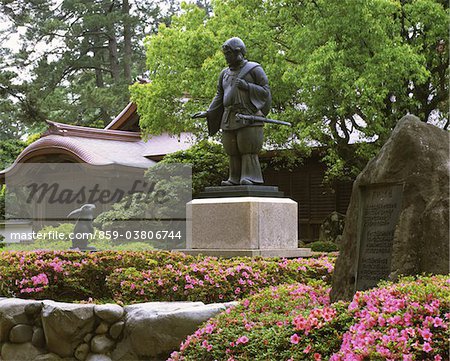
<point>53,331</point>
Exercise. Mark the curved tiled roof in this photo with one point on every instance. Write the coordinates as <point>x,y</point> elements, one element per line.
<point>91,150</point>
<point>102,147</point>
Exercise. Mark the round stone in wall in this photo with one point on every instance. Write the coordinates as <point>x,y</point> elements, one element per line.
<point>109,312</point>
<point>21,334</point>
<point>116,330</point>
<point>102,328</point>
<point>38,338</point>
<point>81,352</point>
<point>88,337</point>
<point>97,357</point>
<point>101,344</point>
<point>48,357</point>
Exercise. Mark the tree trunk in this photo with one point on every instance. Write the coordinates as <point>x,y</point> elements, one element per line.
<point>113,56</point>
<point>98,59</point>
<point>127,34</point>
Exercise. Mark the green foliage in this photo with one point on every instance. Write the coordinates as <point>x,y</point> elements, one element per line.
<point>68,275</point>
<point>133,276</point>
<point>323,246</point>
<point>260,327</point>
<point>335,68</point>
<point>161,209</point>
<point>2,202</point>
<point>133,247</point>
<point>9,150</point>
<point>209,164</point>
<point>79,56</point>
<point>209,279</point>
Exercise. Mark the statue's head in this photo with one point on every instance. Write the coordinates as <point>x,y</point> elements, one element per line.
<point>234,44</point>
<point>234,50</point>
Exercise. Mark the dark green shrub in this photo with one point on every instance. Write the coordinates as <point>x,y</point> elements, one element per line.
<point>209,164</point>
<point>323,246</point>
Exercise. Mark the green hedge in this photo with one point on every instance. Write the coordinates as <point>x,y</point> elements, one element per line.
<point>323,246</point>
<point>128,277</point>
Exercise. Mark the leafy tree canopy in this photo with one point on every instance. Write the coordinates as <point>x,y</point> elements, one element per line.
<point>75,59</point>
<point>9,150</point>
<point>336,67</point>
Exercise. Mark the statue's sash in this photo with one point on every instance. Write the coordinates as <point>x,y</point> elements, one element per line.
<point>214,116</point>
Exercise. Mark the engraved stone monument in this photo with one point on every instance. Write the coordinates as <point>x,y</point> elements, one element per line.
<point>397,222</point>
<point>379,216</point>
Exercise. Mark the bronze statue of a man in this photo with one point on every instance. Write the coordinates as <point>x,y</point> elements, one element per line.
<point>242,89</point>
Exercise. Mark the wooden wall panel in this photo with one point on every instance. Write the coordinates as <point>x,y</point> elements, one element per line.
<point>315,200</point>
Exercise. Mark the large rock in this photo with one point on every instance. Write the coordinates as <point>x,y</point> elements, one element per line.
<point>417,157</point>
<point>155,329</point>
<point>22,352</point>
<point>65,325</point>
<point>12,312</point>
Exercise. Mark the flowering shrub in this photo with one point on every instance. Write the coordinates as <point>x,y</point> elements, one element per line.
<point>211,279</point>
<point>71,275</point>
<point>408,320</point>
<point>127,277</point>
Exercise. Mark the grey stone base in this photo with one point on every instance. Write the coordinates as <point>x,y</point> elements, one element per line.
<point>282,253</point>
<point>243,226</point>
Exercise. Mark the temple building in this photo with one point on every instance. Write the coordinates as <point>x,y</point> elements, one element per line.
<point>120,144</point>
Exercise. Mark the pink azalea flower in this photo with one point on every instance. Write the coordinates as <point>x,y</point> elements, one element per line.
<point>295,339</point>
<point>426,347</point>
<point>40,279</point>
<point>426,334</point>
<point>242,339</point>
<point>438,322</point>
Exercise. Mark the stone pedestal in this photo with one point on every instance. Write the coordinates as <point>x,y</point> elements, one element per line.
<point>243,226</point>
